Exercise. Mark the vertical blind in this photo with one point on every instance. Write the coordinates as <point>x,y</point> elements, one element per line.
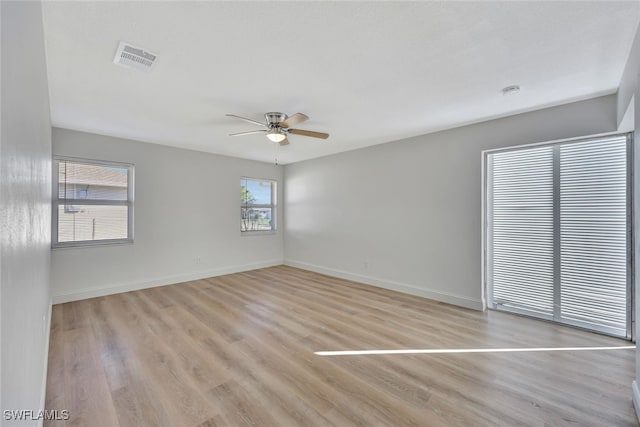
<point>558,233</point>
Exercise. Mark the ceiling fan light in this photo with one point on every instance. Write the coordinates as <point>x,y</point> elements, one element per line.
<point>276,135</point>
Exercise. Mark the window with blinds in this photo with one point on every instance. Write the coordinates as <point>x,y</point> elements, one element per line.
<point>558,232</point>
<point>92,204</point>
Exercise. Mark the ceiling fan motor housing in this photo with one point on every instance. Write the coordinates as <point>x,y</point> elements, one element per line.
<point>274,119</point>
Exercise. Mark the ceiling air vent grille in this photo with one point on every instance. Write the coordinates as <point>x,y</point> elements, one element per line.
<point>134,57</point>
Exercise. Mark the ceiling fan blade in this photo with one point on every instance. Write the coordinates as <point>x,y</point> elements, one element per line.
<point>284,142</point>
<point>293,120</point>
<point>309,133</point>
<point>247,133</point>
<point>246,120</point>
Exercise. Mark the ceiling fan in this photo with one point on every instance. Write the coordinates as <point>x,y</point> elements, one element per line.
<point>278,125</point>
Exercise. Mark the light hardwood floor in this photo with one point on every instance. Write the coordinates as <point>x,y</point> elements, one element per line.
<point>239,349</point>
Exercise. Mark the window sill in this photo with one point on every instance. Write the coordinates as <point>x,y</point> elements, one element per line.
<point>91,243</point>
<point>258,233</point>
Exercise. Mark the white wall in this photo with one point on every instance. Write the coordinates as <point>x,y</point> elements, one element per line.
<point>186,226</point>
<point>407,215</point>
<point>25,186</point>
<point>628,82</point>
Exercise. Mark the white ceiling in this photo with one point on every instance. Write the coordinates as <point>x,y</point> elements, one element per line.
<point>366,73</point>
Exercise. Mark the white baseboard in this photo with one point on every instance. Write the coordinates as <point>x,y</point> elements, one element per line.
<point>394,286</point>
<point>636,398</point>
<point>43,392</point>
<point>81,294</point>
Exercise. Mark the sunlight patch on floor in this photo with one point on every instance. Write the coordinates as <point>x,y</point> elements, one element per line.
<point>465,350</point>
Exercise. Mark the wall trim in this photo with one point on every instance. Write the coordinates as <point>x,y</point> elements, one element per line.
<point>43,392</point>
<point>160,281</point>
<point>169,280</point>
<point>388,284</point>
<point>636,398</point>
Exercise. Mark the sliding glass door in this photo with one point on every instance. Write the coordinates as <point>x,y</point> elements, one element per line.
<point>558,227</point>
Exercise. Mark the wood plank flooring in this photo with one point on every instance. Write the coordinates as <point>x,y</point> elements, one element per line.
<point>239,349</point>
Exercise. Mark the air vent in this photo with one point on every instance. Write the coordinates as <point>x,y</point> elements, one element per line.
<point>134,57</point>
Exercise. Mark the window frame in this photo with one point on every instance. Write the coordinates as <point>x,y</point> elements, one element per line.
<point>487,278</point>
<point>272,206</point>
<point>56,202</point>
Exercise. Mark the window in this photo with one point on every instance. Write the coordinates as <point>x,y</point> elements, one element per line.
<point>558,232</point>
<point>92,202</point>
<point>257,205</point>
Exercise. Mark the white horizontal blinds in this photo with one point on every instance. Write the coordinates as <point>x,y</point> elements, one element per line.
<point>521,228</point>
<point>558,240</point>
<point>78,223</point>
<point>593,230</point>
<point>91,181</point>
<point>93,202</point>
